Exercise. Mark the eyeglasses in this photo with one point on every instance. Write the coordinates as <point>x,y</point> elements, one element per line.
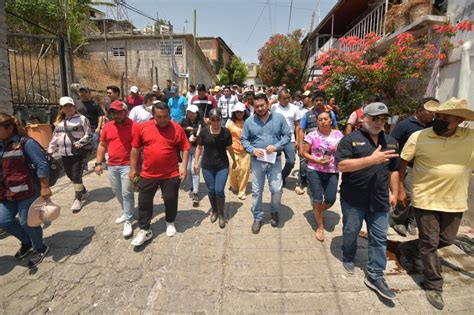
<point>383,119</point>
<point>215,119</point>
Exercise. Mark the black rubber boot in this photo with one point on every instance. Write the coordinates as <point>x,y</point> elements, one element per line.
<point>213,201</point>
<point>220,211</point>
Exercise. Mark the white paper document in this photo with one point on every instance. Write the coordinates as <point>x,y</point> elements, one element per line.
<point>268,157</point>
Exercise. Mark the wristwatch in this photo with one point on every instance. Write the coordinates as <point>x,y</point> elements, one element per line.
<point>97,164</point>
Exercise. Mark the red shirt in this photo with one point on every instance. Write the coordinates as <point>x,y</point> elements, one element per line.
<point>119,141</point>
<point>134,101</point>
<point>161,147</point>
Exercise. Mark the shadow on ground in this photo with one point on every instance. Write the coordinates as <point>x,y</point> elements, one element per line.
<point>61,245</point>
<point>331,219</point>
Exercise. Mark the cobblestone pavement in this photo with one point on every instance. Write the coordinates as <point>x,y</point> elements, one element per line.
<point>91,269</point>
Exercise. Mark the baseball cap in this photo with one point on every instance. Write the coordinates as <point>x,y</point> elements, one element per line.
<point>118,106</point>
<point>307,93</point>
<point>84,88</point>
<point>66,100</point>
<point>173,90</point>
<point>155,88</point>
<point>238,107</point>
<point>376,109</point>
<point>215,112</point>
<point>134,89</point>
<point>217,88</point>
<point>192,108</point>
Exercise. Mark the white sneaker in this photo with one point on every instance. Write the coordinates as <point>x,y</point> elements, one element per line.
<point>142,237</point>
<point>170,229</point>
<point>120,220</point>
<point>77,205</point>
<point>127,229</point>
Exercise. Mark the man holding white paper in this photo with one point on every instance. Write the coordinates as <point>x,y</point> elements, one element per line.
<point>264,136</point>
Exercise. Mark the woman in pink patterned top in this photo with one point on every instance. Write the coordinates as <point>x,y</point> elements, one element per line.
<point>320,151</point>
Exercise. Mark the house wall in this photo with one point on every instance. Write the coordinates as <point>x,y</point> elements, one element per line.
<point>6,104</point>
<point>449,74</point>
<point>142,53</point>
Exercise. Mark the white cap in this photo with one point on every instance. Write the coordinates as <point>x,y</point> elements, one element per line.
<point>66,100</point>
<point>192,108</point>
<point>134,89</point>
<point>238,107</point>
<point>154,88</point>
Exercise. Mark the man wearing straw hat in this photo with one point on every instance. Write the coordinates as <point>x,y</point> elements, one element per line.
<point>444,160</point>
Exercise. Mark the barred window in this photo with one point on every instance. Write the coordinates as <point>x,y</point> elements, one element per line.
<point>118,51</point>
<point>165,47</point>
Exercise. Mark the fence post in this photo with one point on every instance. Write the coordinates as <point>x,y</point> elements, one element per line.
<point>63,67</point>
<point>5,84</point>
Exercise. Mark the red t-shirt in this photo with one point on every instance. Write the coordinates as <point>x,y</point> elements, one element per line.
<point>160,148</point>
<point>134,101</point>
<point>119,141</point>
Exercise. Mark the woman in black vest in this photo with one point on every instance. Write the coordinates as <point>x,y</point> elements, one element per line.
<point>22,157</point>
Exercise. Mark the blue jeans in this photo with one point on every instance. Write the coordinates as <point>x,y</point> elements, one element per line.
<point>323,186</point>
<point>215,181</point>
<point>95,139</point>
<point>258,171</point>
<point>122,188</point>
<point>290,156</point>
<point>377,226</point>
<point>193,179</point>
<point>19,228</point>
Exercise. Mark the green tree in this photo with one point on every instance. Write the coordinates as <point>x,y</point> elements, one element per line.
<point>235,73</point>
<point>280,60</point>
<point>58,16</point>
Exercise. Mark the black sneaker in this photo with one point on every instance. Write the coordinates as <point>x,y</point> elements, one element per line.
<point>435,298</point>
<point>411,228</point>
<point>256,226</point>
<point>195,200</point>
<point>380,286</point>
<point>348,267</point>
<point>275,219</point>
<point>23,251</point>
<point>38,256</point>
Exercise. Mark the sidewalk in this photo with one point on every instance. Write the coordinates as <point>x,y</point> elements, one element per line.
<point>92,269</point>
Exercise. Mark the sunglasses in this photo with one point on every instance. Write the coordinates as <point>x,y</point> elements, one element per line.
<point>215,119</point>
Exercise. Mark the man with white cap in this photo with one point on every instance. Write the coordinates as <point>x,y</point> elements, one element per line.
<point>140,113</point>
<point>134,99</point>
<point>443,162</point>
<point>158,94</point>
<point>116,139</point>
<point>369,164</point>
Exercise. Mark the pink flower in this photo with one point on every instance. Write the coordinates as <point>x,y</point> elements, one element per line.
<point>465,26</point>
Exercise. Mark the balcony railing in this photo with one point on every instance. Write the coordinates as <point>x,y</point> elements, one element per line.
<point>373,22</point>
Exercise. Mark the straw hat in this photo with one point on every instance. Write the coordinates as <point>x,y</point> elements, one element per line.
<point>453,106</point>
<point>41,211</point>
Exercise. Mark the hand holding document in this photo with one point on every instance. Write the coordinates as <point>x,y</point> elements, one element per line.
<point>268,157</point>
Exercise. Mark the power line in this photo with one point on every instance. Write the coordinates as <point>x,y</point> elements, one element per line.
<point>289,18</point>
<point>256,22</point>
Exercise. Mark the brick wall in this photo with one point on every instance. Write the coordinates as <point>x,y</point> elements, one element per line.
<point>5,84</point>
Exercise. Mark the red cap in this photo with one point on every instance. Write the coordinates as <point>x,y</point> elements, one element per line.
<point>118,106</point>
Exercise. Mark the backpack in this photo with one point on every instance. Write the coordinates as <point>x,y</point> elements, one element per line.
<point>55,167</point>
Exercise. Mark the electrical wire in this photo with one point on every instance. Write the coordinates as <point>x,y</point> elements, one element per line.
<point>256,22</point>
<point>289,18</point>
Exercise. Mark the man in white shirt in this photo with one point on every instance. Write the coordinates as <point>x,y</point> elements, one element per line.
<point>139,113</point>
<point>226,103</point>
<point>292,117</point>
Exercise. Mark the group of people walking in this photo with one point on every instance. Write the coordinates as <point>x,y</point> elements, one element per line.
<point>156,142</point>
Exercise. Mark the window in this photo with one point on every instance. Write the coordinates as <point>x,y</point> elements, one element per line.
<point>118,51</point>
<point>165,47</point>
<point>250,68</point>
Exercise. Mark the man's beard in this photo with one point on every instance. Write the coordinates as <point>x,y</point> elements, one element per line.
<point>369,130</point>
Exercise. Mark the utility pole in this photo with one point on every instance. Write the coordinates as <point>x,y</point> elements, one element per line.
<point>185,28</point>
<point>312,22</point>
<point>194,49</point>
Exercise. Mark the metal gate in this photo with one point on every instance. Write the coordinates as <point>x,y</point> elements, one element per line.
<point>37,74</point>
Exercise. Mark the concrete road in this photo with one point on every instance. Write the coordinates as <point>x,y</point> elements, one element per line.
<point>205,269</point>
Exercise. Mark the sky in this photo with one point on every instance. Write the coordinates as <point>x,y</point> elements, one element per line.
<point>245,25</point>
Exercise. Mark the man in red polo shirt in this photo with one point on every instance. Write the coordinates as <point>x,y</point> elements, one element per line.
<point>162,140</point>
<point>134,99</point>
<point>116,137</point>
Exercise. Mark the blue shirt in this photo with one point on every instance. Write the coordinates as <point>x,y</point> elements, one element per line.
<point>258,134</point>
<point>177,108</point>
<point>34,155</point>
<point>304,119</point>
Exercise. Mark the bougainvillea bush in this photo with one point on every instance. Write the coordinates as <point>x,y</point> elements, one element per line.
<point>280,60</point>
<point>354,71</point>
